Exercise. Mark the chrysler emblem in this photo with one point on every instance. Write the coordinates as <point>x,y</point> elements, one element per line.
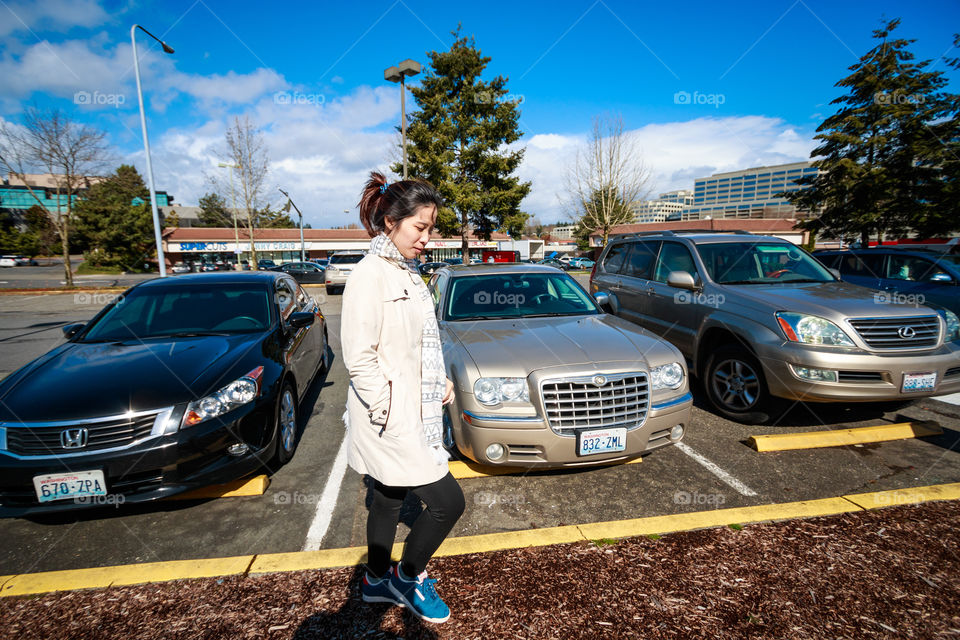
<point>74,438</point>
<point>599,380</point>
<point>906,333</point>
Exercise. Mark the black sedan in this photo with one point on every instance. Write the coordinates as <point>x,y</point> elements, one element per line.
<point>427,268</point>
<point>180,383</point>
<point>303,272</point>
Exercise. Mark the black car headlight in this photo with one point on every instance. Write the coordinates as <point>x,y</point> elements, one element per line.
<point>236,394</point>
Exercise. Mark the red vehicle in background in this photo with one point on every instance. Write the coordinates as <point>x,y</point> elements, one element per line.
<point>491,255</point>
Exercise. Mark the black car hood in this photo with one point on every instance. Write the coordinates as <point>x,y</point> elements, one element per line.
<point>86,380</point>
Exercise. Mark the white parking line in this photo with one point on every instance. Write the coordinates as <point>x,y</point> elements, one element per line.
<point>328,501</point>
<point>953,398</point>
<point>738,486</point>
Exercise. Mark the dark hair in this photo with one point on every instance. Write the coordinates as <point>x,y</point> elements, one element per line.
<point>397,201</point>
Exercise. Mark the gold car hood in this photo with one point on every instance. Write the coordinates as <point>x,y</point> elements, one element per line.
<point>507,347</point>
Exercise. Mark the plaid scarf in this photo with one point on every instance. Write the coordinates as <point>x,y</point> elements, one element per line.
<point>433,376</point>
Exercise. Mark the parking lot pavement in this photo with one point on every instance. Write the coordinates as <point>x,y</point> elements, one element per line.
<point>714,469</point>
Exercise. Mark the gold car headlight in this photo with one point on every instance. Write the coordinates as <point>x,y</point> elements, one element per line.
<point>493,391</point>
<point>667,376</point>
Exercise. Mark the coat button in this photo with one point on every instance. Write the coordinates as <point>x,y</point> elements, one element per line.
<point>384,412</point>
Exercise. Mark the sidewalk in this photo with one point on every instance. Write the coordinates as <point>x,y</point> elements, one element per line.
<point>890,572</point>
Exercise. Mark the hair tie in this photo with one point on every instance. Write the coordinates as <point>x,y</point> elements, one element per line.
<point>383,187</point>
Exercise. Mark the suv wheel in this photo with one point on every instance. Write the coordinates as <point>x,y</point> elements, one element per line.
<point>735,385</point>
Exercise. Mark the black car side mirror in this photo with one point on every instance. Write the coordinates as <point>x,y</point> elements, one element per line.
<point>71,330</point>
<point>300,319</point>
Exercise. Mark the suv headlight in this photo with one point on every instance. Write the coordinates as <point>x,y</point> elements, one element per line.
<point>238,393</point>
<point>799,327</point>
<point>953,325</point>
<point>667,376</point>
<point>492,391</point>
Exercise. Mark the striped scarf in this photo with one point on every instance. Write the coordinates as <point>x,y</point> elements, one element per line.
<point>433,376</point>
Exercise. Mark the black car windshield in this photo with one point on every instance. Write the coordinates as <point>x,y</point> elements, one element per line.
<point>516,295</point>
<point>183,310</point>
<point>760,263</point>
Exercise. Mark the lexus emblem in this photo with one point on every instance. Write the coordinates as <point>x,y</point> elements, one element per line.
<point>74,438</point>
<point>599,380</point>
<point>906,333</point>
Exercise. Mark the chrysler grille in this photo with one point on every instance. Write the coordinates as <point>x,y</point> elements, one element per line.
<point>898,333</point>
<point>577,403</point>
<point>45,440</point>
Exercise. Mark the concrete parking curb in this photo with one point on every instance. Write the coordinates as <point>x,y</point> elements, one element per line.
<point>99,577</point>
<point>844,437</point>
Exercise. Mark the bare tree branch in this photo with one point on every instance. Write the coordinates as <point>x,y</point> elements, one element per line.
<point>607,178</point>
<point>51,142</point>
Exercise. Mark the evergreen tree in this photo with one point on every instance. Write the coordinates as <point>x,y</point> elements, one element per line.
<point>214,211</point>
<point>115,220</point>
<point>879,160</point>
<point>457,140</point>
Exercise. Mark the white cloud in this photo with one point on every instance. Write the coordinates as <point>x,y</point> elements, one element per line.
<point>676,153</point>
<point>50,15</point>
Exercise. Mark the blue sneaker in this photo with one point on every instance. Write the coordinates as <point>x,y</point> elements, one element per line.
<point>419,595</point>
<point>378,591</point>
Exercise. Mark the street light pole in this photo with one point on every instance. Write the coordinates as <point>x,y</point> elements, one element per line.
<point>303,257</point>
<point>397,74</point>
<point>161,260</point>
<point>233,201</point>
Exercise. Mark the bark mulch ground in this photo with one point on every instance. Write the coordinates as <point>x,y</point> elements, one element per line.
<point>889,573</point>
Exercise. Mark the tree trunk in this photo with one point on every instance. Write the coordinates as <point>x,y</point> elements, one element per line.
<point>65,241</point>
<point>254,264</point>
<point>864,239</point>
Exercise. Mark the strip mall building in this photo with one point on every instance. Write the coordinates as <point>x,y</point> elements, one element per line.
<point>283,245</point>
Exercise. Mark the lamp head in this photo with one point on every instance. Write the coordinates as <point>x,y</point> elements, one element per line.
<point>166,48</point>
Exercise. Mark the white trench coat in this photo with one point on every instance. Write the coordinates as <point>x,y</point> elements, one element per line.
<point>380,334</point>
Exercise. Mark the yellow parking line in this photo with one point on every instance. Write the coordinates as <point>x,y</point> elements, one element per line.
<point>255,486</point>
<point>910,495</point>
<point>842,437</point>
<point>47,581</point>
<point>27,584</point>
<point>463,469</point>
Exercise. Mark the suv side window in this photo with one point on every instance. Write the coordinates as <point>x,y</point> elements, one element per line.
<point>615,257</point>
<point>639,264</point>
<point>869,266</point>
<point>673,257</point>
<point>912,268</point>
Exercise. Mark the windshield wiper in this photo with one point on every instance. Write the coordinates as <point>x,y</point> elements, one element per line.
<point>187,334</point>
<point>741,282</point>
<point>486,318</point>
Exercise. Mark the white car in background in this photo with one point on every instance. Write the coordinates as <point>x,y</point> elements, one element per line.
<point>339,269</point>
<point>8,261</point>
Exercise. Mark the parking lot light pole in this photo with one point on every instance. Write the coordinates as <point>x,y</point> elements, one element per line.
<point>303,257</point>
<point>233,201</point>
<point>161,260</point>
<point>397,74</point>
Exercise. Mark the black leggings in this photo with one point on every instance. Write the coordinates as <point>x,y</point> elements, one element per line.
<point>445,505</point>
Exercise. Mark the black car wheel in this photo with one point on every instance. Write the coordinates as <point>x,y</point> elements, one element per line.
<point>286,425</point>
<point>736,388</point>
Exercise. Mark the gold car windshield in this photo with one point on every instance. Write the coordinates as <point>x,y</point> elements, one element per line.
<point>515,295</point>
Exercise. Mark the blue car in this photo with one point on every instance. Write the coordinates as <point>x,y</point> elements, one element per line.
<point>915,277</point>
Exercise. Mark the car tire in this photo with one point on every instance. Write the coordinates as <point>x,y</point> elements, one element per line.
<point>286,426</point>
<point>734,383</point>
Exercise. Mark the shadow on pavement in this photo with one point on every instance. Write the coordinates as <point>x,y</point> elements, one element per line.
<point>358,619</point>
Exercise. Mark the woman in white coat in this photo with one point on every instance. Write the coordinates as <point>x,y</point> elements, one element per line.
<point>398,384</point>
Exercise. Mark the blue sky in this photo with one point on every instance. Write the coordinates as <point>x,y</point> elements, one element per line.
<point>759,76</point>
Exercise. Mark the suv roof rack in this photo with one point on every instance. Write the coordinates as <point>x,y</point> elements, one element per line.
<point>735,231</point>
<point>637,234</point>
